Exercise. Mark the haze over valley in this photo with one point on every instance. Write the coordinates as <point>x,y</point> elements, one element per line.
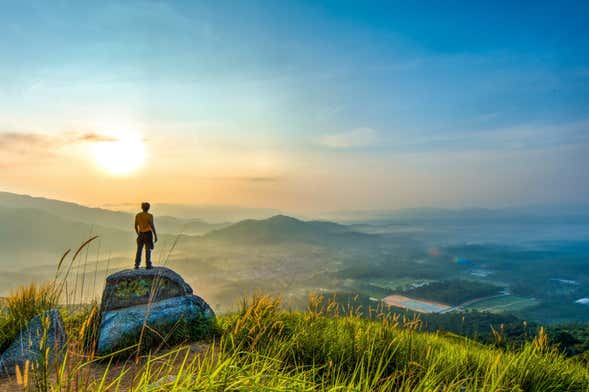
<point>524,261</point>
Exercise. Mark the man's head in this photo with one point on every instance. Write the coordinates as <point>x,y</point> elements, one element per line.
<point>145,206</point>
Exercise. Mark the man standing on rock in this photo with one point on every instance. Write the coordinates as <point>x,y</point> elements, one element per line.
<point>146,235</point>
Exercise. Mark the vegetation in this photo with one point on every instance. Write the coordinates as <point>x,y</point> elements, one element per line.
<point>21,306</point>
<point>453,292</point>
<point>325,347</point>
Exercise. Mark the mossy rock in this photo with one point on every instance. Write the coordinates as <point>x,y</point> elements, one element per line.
<point>163,323</point>
<point>141,286</point>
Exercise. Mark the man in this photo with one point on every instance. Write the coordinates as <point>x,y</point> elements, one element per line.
<point>146,235</point>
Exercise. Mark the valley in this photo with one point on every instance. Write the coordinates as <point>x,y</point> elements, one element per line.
<point>422,259</point>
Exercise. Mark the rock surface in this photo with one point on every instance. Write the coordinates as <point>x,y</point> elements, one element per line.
<point>30,342</point>
<point>121,328</point>
<point>153,306</point>
<point>141,286</point>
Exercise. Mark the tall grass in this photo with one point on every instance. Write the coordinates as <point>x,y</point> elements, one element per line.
<point>345,349</point>
<point>266,348</point>
<point>21,306</point>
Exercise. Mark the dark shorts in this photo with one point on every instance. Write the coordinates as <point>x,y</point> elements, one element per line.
<point>145,238</point>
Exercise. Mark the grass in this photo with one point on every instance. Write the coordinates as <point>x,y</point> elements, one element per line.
<point>22,305</point>
<point>508,303</point>
<point>264,347</point>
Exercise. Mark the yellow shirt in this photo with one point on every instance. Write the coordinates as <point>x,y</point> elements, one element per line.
<point>143,221</point>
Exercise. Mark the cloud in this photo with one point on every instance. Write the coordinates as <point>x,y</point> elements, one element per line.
<point>261,179</point>
<point>33,148</point>
<point>11,141</point>
<point>95,137</point>
<point>359,137</point>
<point>258,179</point>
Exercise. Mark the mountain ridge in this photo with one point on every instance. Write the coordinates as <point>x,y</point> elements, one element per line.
<point>120,220</point>
<point>283,228</point>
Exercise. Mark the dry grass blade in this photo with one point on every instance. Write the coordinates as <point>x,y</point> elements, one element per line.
<point>80,248</point>
<point>67,252</point>
<point>84,244</point>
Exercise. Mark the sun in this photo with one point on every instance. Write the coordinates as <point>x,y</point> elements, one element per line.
<point>120,153</point>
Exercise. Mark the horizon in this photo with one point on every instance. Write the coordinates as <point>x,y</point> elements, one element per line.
<point>226,213</point>
<point>297,106</point>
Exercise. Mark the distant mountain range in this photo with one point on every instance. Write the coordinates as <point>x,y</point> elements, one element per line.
<point>34,229</point>
<point>524,214</point>
<point>102,217</point>
<point>42,224</point>
<point>45,224</point>
<point>208,213</point>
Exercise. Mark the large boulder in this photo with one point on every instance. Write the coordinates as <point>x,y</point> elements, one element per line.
<point>40,342</point>
<point>141,286</point>
<point>150,307</point>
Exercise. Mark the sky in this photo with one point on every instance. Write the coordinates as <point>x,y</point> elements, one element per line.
<point>300,106</point>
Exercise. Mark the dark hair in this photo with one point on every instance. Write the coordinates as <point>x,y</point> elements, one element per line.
<point>145,206</point>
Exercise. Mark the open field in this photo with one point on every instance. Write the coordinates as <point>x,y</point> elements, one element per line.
<point>415,304</point>
<point>505,303</point>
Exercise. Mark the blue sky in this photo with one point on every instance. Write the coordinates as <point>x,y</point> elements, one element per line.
<point>370,104</point>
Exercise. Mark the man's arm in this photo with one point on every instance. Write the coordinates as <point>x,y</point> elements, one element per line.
<point>135,226</point>
<point>153,229</point>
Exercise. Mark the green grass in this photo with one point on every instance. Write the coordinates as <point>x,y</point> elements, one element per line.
<point>507,303</point>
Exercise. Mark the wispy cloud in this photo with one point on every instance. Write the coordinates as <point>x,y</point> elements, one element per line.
<point>253,180</point>
<point>95,137</point>
<point>359,137</point>
<point>33,148</point>
<point>261,179</point>
<point>9,141</point>
<point>15,140</point>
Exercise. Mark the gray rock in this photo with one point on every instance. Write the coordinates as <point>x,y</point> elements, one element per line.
<point>141,286</point>
<point>174,319</point>
<point>27,346</point>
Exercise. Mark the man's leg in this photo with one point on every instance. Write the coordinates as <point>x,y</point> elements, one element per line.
<point>148,240</point>
<point>139,251</point>
<point>147,256</point>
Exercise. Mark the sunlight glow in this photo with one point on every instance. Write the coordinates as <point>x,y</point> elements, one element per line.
<point>120,153</point>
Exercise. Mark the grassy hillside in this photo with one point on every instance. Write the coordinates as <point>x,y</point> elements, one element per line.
<point>325,348</point>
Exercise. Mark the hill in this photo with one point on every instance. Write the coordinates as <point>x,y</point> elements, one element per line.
<point>264,347</point>
<point>34,229</point>
<point>281,228</point>
<point>102,217</point>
